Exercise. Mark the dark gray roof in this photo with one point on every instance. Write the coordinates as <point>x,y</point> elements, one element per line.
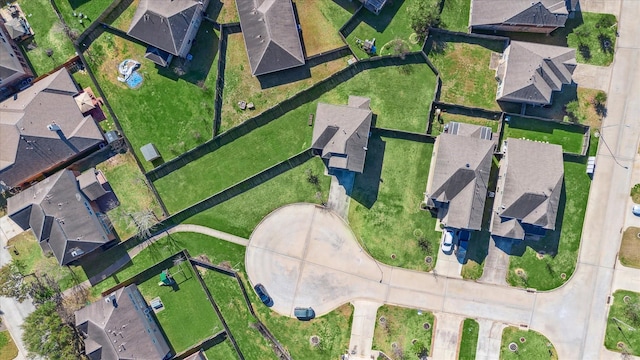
<point>531,176</point>
<point>158,56</point>
<point>460,178</point>
<point>16,27</point>
<point>9,62</point>
<point>547,13</point>
<point>60,215</point>
<point>531,72</point>
<point>165,24</point>
<point>121,326</point>
<point>90,185</point>
<point>27,146</point>
<point>270,35</point>
<point>341,133</point>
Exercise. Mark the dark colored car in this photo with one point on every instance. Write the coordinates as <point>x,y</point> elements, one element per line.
<point>263,295</point>
<point>304,314</point>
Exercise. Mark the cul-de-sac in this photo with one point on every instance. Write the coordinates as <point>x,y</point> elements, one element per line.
<point>319,179</point>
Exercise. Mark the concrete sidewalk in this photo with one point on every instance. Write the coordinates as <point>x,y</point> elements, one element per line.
<point>489,339</point>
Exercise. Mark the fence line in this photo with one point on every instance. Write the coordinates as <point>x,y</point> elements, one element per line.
<point>217,100</point>
<point>107,16</point>
<point>218,337</point>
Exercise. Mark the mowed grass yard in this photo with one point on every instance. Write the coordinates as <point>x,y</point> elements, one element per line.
<point>223,12</point>
<point>124,19</point>
<point>188,317</point>
<point>465,73</point>
<point>8,348</point>
<point>455,15</point>
<point>630,248</point>
<point>49,34</point>
<point>401,326</point>
<point>445,118</point>
<point>561,245</point>
<point>240,84</point>
<point>569,136</point>
<point>469,340</point>
<point>623,322</point>
<point>385,210</point>
<point>173,112</point>
<point>223,350</point>
<point>392,23</point>
<point>535,346</point>
<point>395,106</point>
<point>92,9</point>
<point>130,186</point>
<point>320,21</point>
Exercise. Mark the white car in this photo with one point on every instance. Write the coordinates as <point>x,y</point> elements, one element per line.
<point>636,210</point>
<point>447,242</point>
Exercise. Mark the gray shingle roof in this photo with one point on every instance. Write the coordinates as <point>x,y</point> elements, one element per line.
<point>165,23</point>
<point>270,35</point>
<point>90,185</point>
<point>531,72</point>
<point>548,13</point>
<point>460,178</point>
<point>9,63</point>
<point>341,133</point>
<point>27,146</point>
<point>60,216</point>
<point>531,175</point>
<point>127,330</point>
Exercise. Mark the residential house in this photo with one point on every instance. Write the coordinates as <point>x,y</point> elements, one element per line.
<point>121,326</point>
<point>529,189</point>
<point>62,212</point>
<point>169,27</point>
<point>271,35</point>
<point>42,128</point>
<point>539,16</point>
<point>374,5</point>
<point>15,72</point>
<point>341,133</point>
<point>530,73</point>
<point>15,22</point>
<point>459,175</point>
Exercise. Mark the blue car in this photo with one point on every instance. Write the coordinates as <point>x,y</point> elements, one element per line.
<point>263,295</point>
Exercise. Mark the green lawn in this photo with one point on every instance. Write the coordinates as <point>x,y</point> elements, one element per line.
<point>455,15</point>
<point>569,136</point>
<point>630,248</point>
<point>123,22</point>
<point>188,317</point>
<point>445,118</point>
<point>392,23</point>
<point>465,73</point>
<point>8,349</point>
<point>535,345</point>
<point>588,38</point>
<point>92,9</point>
<point>469,340</point>
<point>30,259</point>
<point>241,214</point>
<point>320,21</point>
<point>385,210</point>
<point>224,350</point>
<point>560,246</point>
<point>174,113</point>
<point>49,34</point>
<point>400,332</point>
<point>129,185</point>
<point>395,106</point>
<point>623,322</point>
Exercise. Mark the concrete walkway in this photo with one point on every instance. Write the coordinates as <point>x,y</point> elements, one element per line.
<point>489,339</point>
<point>362,328</point>
<point>339,193</point>
<point>447,334</point>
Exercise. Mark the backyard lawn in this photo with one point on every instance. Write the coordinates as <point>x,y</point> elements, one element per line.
<point>455,15</point>
<point>123,22</point>
<point>560,247</point>
<point>223,350</point>
<point>622,324</point>
<point>239,84</point>
<point>401,331</point>
<point>92,9</point>
<point>173,112</point>
<point>130,186</point>
<point>469,340</point>
<point>394,105</point>
<point>30,259</point>
<point>630,248</point>
<point>241,214</point>
<point>535,345</point>
<point>49,34</point>
<point>8,349</point>
<point>392,23</point>
<point>465,73</point>
<point>223,12</point>
<point>385,210</point>
<point>320,21</point>
<point>188,317</point>
<point>569,136</point>
<point>446,117</point>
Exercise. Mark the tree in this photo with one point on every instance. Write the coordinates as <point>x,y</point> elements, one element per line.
<point>12,283</point>
<point>144,221</point>
<point>606,21</point>
<point>46,335</point>
<point>599,103</point>
<point>573,110</point>
<point>423,14</point>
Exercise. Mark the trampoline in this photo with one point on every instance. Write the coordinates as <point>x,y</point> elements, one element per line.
<point>134,80</point>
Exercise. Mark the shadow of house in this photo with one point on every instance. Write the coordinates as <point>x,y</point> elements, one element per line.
<point>367,184</point>
<point>379,22</point>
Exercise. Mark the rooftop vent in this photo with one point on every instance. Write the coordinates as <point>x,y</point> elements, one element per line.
<point>53,126</point>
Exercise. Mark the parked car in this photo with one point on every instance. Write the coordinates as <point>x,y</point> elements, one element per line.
<point>304,314</point>
<point>461,250</point>
<point>447,242</point>
<point>636,210</point>
<point>263,295</point>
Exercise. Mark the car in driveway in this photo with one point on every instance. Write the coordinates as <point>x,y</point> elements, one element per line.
<point>262,293</point>
<point>304,314</point>
<point>636,210</point>
<point>463,245</point>
<point>447,242</point>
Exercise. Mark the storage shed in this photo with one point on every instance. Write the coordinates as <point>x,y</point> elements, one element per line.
<point>150,152</point>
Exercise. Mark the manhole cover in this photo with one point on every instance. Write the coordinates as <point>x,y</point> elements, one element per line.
<point>428,259</point>
<point>426,326</point>
<point>394,345</point>
<point>513,347</point>
<point>383,320</point>
<point>626,299</point>
<point>563,276</point>
<point>314,340</point>
<point>413,341</point>
<point>522,339</point>
<point>393,256</point>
